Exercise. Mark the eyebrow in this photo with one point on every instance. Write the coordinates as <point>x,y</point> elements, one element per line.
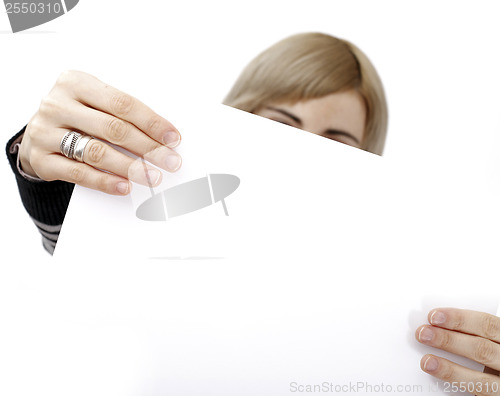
<point>289,115</point>
<point>299,122</point>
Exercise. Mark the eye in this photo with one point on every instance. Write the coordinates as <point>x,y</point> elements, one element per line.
<point>341,139</point>
<point>281,121</point>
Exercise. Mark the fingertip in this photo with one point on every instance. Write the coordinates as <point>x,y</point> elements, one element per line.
<point>425,334</point>
<point>123,188</point>
<point>438,316</point>
<point>154,177</point>
<point>429,363</point>
<point>173,162</point>
<point>423,359</point>
<point>417,332</point>
<point>430,313</point>
<point>172,139</point>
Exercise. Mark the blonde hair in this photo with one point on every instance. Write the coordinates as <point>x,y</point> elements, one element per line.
<point>313,65</point>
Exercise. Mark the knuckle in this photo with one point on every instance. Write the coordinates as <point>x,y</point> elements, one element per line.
<point>96,152</point>
<point>447,373</point>
<point>155,124</point>
<point>121,104</point>
<point>116,131</point>
<point>67,77</point>
<point>64,77</point>
<point>484,351</point>
<point>102,183</point>
<point>48,105</point>
<point>490,326</point>
<point>35,129</point>
<point>71,80</point>
<point>446,340</point>
<point>76,174</point>
<point>459,322</point>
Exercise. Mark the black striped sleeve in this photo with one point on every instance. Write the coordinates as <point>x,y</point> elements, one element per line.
<point>45,202</point>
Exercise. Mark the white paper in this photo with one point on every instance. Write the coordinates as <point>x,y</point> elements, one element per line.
<point>329,260</point>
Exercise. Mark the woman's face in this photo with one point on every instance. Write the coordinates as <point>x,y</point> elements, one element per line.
<point>340,116</point>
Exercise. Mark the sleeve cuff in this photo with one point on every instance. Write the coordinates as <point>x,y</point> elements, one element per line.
<point>13,149</point>
<point>46,202</point>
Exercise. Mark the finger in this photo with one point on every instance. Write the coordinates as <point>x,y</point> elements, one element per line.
<point>58,167</point>
<point>95,93</point>
<point>123,134</point>
<point>473,347</point>
<point>472,381</point>
<point>100,155</point>
<point>466,321</point>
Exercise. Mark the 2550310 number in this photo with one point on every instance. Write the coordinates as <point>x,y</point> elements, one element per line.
<point>471,387</point>
<point>33,8</point>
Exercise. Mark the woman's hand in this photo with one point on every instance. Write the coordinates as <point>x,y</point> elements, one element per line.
<point>80,102</point>
<point>472,334</point>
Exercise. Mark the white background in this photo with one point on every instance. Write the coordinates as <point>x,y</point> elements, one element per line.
<point>438,62</point>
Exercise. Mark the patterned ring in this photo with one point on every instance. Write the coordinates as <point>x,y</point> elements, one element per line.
<point>63,141</point>
<point>68,143</point>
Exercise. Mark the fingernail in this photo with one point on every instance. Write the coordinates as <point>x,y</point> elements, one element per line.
<point>437,318</point>
<point>171,139</point>
<point>122,187</point>
<point>153,176</point>
<point>426,334</point>
<point>173,162</point>
<point>431,364</point>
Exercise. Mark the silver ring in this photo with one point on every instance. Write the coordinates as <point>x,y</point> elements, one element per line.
<point>68,142</point>
<point>80,147</point>
<point>63,141</point>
